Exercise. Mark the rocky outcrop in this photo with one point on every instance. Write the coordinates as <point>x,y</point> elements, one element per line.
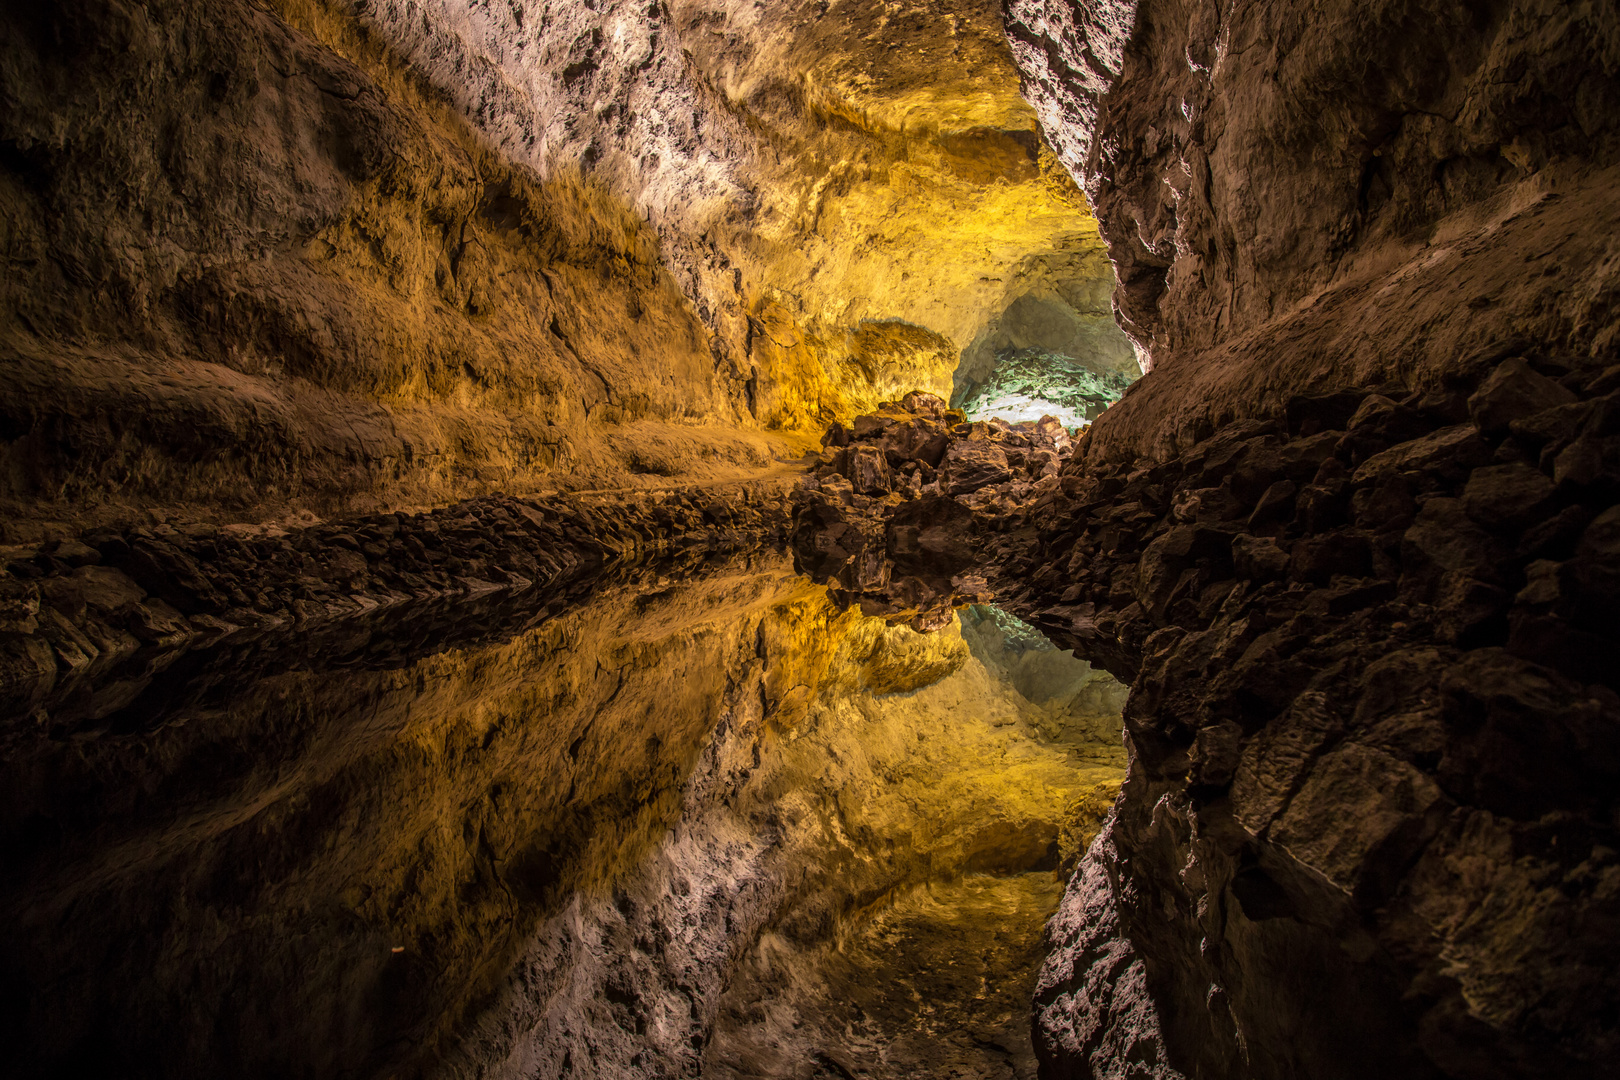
<point>1326,198</point>
<point>889,515</point>
<point>1376,726</point>
<point>1369,826</point>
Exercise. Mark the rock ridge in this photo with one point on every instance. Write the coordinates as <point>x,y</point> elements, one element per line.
<point>1317,197</point>
<point>78,608</point>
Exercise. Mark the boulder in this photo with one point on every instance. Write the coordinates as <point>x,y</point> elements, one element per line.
<point>1507,496</point>
<point>973,463</point>
<point>1514,391</point>
<point>924,404</point>
<point>868,470</point>
<point>1449,452</point>
<point>97,589</point>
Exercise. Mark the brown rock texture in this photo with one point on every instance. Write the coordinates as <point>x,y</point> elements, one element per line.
<point>1364,716</point>
<point>1335,195</point>
<point>83,607</point>
<point>851,193</point>
<point>401,669</point>
<point>256,265</point>
<point>1369,826</point>
<point>889,516</point>
<point>1346,539</point>
<point>338,258</point>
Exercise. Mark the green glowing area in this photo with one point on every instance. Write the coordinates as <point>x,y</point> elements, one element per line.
<point>1028,384</point>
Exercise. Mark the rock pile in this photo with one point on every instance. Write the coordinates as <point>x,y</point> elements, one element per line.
<point>1371,823</point>
<point>79,607</point>
<point>887,514</point>
<point>1374,712</point>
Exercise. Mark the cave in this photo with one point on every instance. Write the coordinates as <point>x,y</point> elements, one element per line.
<point>850,539</point>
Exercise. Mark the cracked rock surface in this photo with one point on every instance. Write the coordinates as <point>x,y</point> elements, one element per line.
<point>1318,196</point>
<point>1369,823</point>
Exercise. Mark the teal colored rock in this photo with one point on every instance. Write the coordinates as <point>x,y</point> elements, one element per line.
<point>1028,384</point>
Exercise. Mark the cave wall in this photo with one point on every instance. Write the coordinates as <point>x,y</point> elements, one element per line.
<point>817,171</point>
<point>1369,827</point>
<point>1369,822</point>
<point>328,257</point>
<point>1335,194</point>
<point>358,257</point>
<point>258,264</point>
<point>1345,538</point>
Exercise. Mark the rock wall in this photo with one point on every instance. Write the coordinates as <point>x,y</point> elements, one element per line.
<point>1324,196</point>
<point>1345,538</point>
<point>257,265</point>
<point>1374,717</point>
<point>817,171</point>
<point>332,257</point>
<point>1369,823</point>
<point>75,611</point>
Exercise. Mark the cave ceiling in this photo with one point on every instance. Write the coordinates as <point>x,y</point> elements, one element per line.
<point>345,254</point>
<point>812,169</point>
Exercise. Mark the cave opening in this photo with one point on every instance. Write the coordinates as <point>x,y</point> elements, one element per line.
<point>1051,347</point>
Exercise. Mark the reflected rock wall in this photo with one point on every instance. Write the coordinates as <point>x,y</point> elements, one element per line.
<point>519,833</point>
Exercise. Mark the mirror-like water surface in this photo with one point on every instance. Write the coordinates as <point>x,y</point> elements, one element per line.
<point>690,820</point>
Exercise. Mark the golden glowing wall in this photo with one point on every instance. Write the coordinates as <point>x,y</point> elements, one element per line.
<point>814,169</point>
<point>288,258</point>
<point>498,853</point>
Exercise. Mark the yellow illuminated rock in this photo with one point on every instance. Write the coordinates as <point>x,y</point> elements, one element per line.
<point>401,254</point>
<point>612,805</point>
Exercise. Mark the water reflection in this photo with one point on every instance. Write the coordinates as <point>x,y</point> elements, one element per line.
<point>533,836</point>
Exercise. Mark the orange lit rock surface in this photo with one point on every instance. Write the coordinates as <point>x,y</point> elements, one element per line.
<point>328,261</point>
<point>504,834</point>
